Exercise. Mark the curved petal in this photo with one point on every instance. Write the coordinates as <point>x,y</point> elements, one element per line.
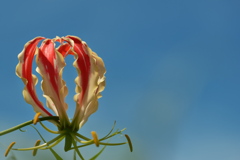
<point>50,65</point>
<point>24,71</point>
<point>65,49</point>
<point>90,81</point>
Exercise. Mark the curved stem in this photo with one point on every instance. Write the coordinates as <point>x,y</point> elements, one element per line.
<point>27,123</point>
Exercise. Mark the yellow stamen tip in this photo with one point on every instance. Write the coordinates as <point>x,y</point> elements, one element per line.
<point>129,142</point>
<point>95,138</point>
<point>9,148</point>
<point>36,118</point>
<point>35,150</point>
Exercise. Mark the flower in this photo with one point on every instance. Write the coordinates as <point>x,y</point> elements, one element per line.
<point>90,82</point>
<point>50,64</point>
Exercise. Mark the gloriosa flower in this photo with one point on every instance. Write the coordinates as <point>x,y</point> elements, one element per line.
<point>50,64</point>
<point>90,82</point>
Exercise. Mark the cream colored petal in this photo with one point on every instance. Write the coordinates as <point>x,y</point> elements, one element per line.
<point>90,109</point>
<point>89,83</point>
<point>96,85</point>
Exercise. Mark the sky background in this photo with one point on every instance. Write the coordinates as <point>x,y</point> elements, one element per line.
<point>173,74</point>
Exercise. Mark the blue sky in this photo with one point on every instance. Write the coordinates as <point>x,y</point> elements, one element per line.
<point>173,72</point>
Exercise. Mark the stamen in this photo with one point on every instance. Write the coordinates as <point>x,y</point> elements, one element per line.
<point>95,138</point>
<point>112,144</point>
<point>83,142</point>
<point>113,134</point>
<point>110,131</point>
<point>59,137</point>
<point>36,118</point>
<point>49,130</point>
<point>53,144</point>
<point>83,137</point>
<point>9,148</point>
<point>129,142</point>
<point>35,150</point>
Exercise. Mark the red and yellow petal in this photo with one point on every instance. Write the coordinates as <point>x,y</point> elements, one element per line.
<point>90,80</point>
<point>24,71</point>
<point>50,65</point>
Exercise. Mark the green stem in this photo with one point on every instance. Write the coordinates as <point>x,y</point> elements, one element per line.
<point>76,150</point>
<point>27,123</point>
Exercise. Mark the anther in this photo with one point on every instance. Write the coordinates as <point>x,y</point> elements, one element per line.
<point>35,150</point>
<point>95,138</point>
<point>36,118</point>
<point>9,148</point>
<point>129,142</point>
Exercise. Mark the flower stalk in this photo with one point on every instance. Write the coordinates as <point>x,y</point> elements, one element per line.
<point>55,118</point>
